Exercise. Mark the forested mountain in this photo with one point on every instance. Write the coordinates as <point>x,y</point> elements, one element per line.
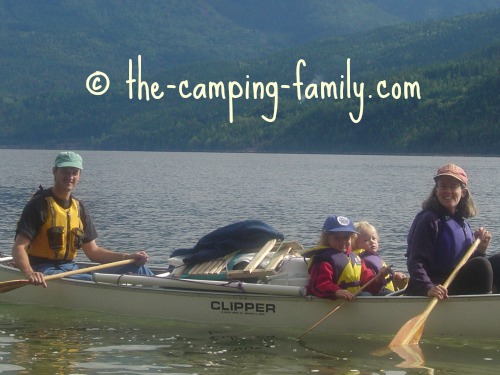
<point>48,49</point>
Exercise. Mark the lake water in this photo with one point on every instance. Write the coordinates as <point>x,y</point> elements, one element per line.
<point>163,201</point>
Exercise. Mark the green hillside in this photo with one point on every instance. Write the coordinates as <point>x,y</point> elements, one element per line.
<point>455,62</point>
<point>50,45</point>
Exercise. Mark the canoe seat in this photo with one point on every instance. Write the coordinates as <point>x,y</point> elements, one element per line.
<point>255,264</point>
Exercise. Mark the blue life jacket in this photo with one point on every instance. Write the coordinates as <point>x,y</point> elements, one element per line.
<point>375,263</point>
<point>454,238</point>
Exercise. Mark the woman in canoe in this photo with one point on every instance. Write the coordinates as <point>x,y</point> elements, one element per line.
<point>439,237</point>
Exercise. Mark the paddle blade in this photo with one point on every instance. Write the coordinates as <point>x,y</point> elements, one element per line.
<point>411,354</point>
<point>380,352</point>
<point>410,332</point>
<point>7,286</point>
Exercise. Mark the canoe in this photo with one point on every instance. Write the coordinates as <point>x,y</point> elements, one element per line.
<point>255,300</point>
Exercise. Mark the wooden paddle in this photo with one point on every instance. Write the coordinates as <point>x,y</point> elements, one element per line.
<point>412,330</point>
<point>339,306</point>
<point>7,286</point>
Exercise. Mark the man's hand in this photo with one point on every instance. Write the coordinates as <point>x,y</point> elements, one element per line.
<point>36,278</point>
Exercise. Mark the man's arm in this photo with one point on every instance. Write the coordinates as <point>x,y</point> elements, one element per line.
<point>20,255</point>
<point>102,255</point>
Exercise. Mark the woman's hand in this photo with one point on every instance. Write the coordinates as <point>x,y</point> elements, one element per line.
<point>485,238</point>
<point>438,291</point>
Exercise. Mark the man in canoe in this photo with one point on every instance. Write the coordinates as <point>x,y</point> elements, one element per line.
<point>54,225</point>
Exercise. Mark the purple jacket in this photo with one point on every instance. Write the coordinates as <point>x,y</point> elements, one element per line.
<point>435,245</point>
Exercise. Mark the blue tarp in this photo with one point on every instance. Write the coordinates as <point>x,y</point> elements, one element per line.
<point>243,235</point>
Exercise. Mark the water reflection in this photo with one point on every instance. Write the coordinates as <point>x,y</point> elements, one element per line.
<point>433,355</point>
<point>56,341</point>
<point>412,357</point>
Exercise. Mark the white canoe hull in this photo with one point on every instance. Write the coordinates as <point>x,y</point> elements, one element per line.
<point>460,316</point>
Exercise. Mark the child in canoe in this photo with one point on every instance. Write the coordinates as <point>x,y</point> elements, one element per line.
<point>335,271</point>
<point>365,244</point>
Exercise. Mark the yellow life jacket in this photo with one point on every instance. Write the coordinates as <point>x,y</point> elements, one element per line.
<point>347,267</point>
<point>61,234</point>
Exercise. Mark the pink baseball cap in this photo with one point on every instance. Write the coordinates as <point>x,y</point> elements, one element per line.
<point>452,170</point>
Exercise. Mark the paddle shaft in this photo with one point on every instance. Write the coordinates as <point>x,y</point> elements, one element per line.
<point>452,276</point>
<point>7,286</point>
<point>89,269</point>
<point>460,264</point>
<point>339,306</point>
<point>411,331</point>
